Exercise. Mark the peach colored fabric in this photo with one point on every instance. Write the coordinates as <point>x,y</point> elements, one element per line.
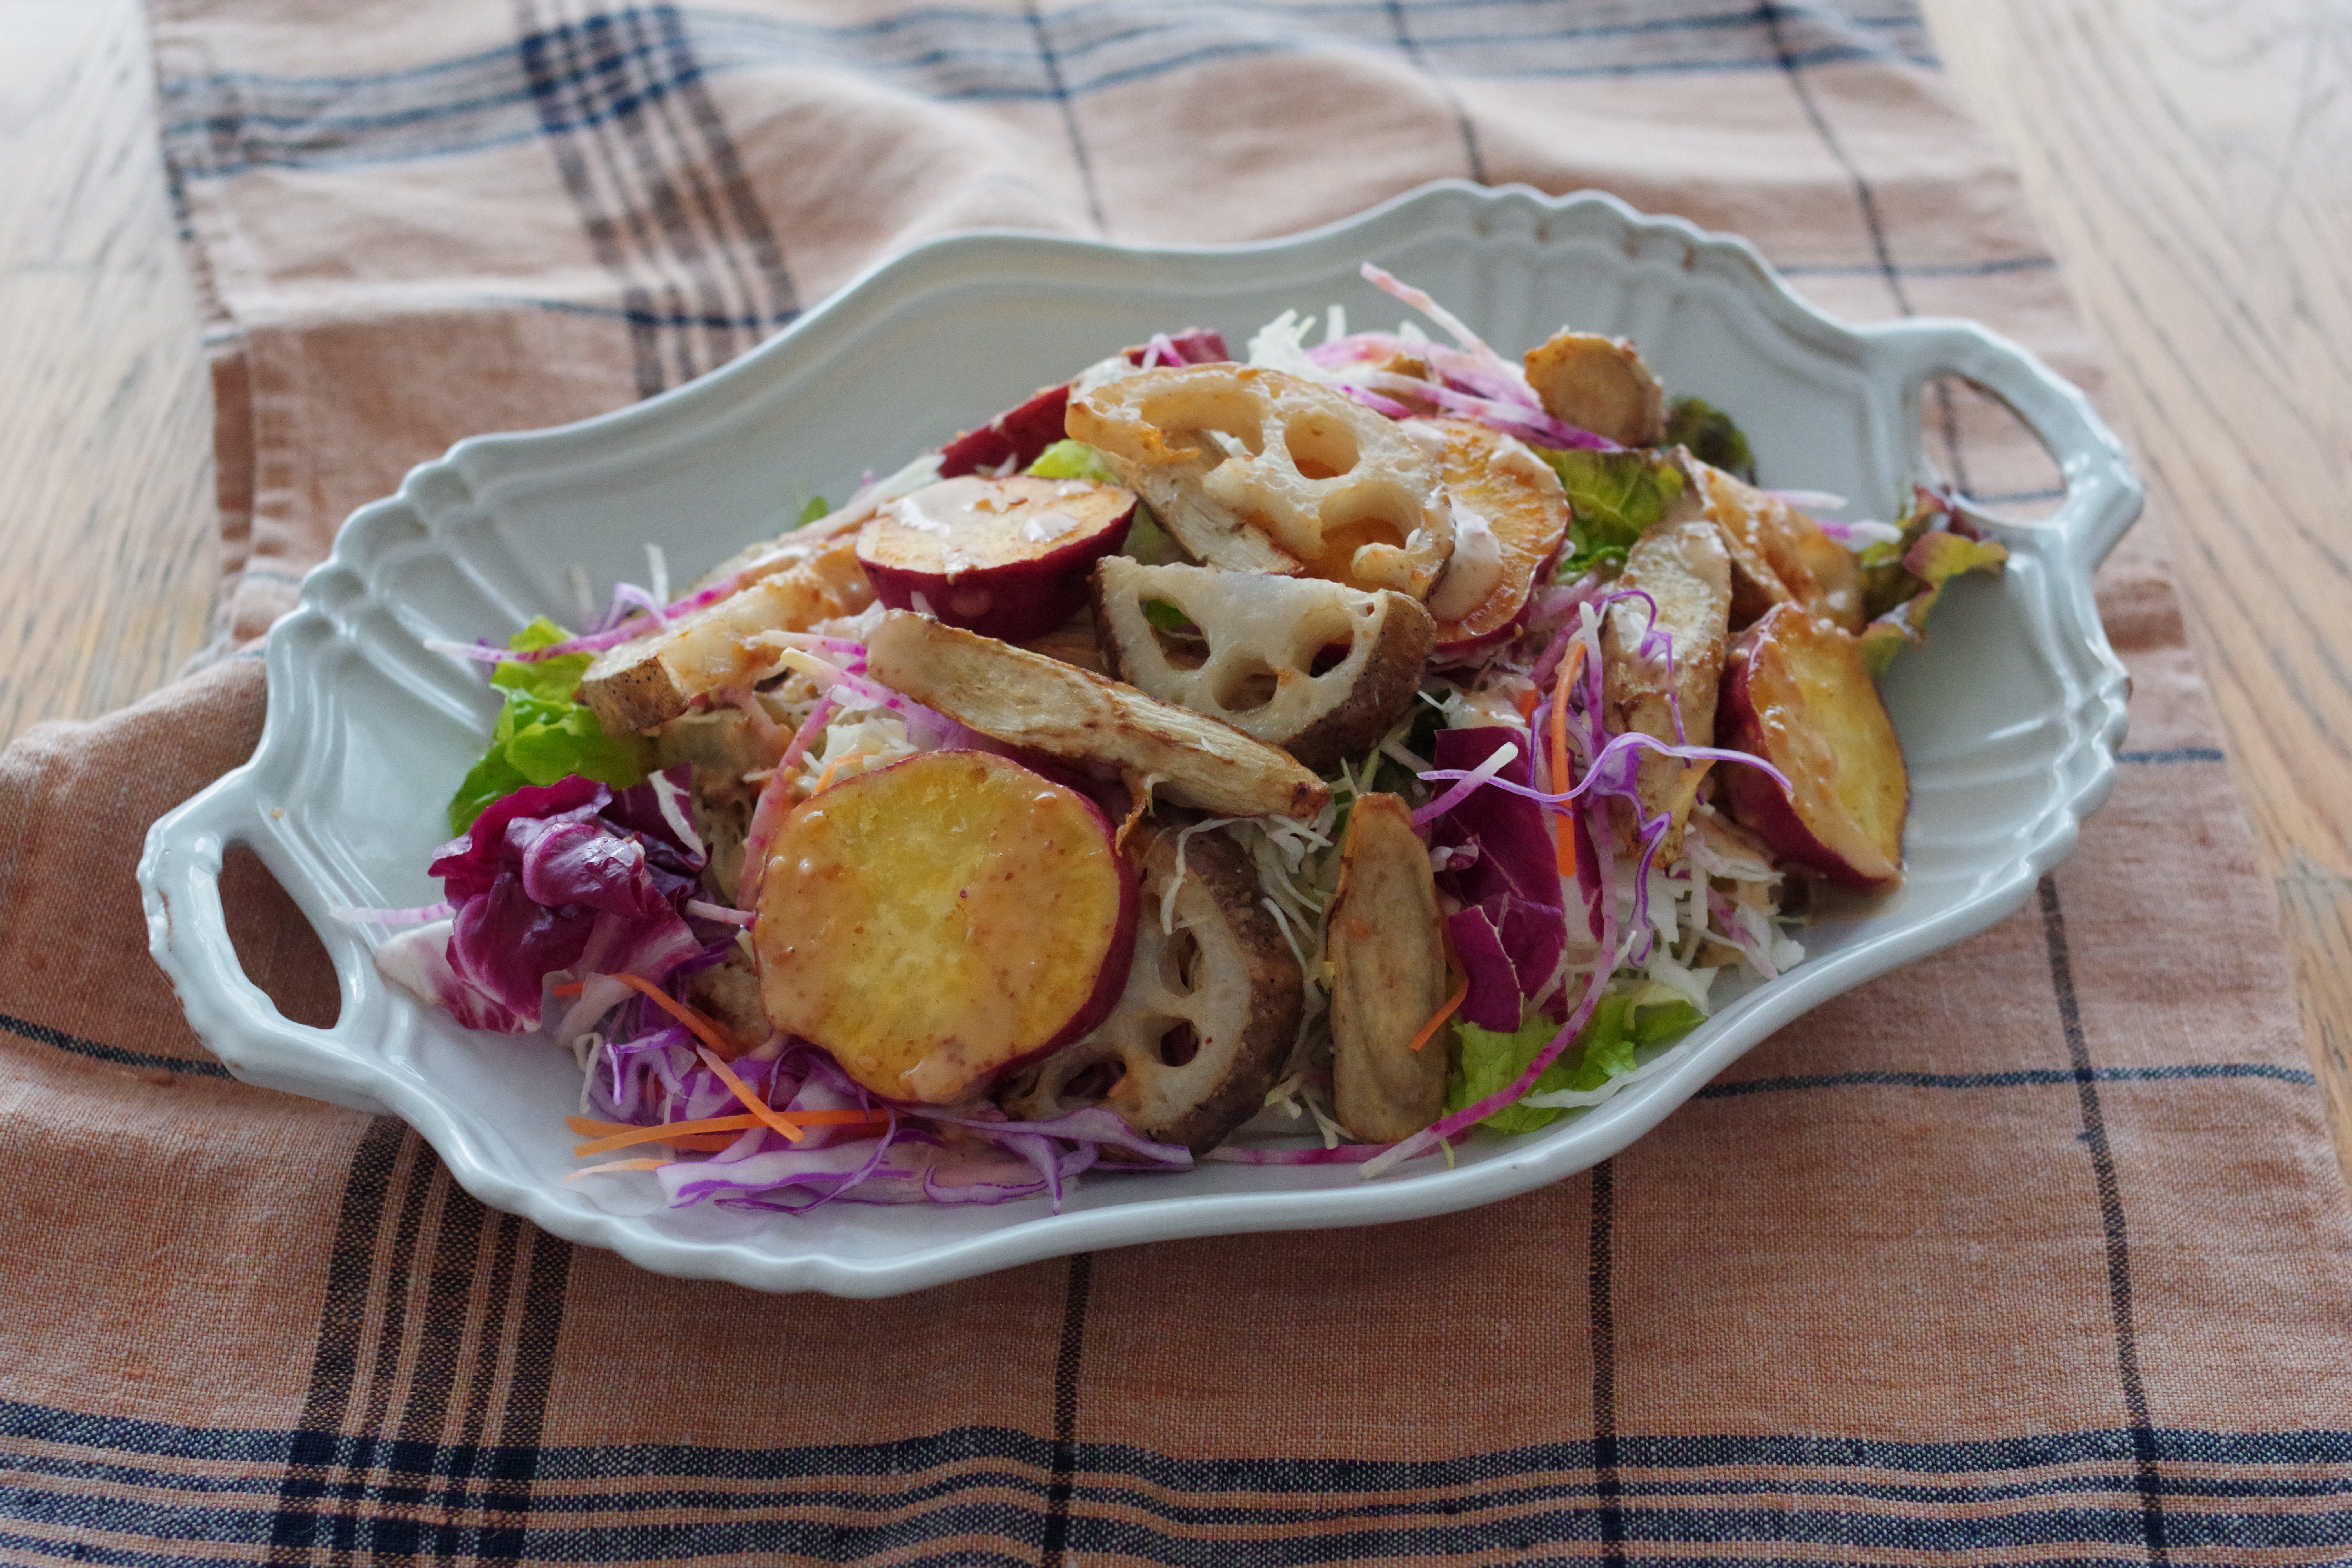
<point>2035,1251</point>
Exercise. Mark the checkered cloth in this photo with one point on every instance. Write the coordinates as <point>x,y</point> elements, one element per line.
<point>2033,1252</point>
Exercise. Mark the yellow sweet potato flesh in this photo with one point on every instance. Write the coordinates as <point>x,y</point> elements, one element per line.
<point>938,921</point>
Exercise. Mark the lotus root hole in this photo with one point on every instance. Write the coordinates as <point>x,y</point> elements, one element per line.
<point>1183,650</point>
<point>1361,515</point>
<point>1323,640</point>
<point>1247,685</point>
<point>1179,1045</point>
<point>1180,964</point>
<point>1094,1081</point>
<point>1186,415</point>
<point>1319,448</point>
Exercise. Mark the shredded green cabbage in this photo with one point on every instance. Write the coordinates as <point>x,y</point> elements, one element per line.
<point>1623,1024</point>
<point>543,734</point>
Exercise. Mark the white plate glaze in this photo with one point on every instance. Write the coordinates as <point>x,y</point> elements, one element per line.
<point>2009,716</point>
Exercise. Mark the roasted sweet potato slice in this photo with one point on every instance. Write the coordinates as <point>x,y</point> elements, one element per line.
<point>1779,556</point>
<point>1387,946</point>
<point>941,921</point>
<point>1007,558</point>
<point>1509,518</point>
<point>1027,700</point>
<point>1798,695</point>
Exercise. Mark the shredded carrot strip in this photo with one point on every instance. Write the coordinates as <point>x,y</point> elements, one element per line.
<point>704,1029</point>
<point>1564,824</point>
<point>824,779</point>
<point>571,990</point>
<point>1460,993</point>
<point>617,1165</point>
<point>692,1134</point>
<point>752,1102</point>
<point>622,1137</point>
<point>1527,702</point>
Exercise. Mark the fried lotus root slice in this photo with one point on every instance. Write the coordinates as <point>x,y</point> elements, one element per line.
<point>1259,471</point>
<point>1208,1018</point>
<point>652,679</point>
<point>1317,669</point>
<point>1684,568</point>
<point>1389,976</point>
<point>1598,384</point>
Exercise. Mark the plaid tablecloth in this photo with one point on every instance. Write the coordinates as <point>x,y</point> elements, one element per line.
<point>2033,1252</point>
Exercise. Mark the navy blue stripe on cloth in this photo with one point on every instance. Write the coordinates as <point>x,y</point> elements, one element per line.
<point>1069,1365</point>
<point>1601,1317</point>
<point>126,1441</point>
<point>2175,754</point>
<point>1812,1509</point>
<point>2016,1078</point>
<point>222,124</point>
<point>1993,267</point>
<point>2156,1529</point>
<point>42,1035</point>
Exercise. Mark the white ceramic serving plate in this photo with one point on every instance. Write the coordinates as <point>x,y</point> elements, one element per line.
<point>2009,716</point>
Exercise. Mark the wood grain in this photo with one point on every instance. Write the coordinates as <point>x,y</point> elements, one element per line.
<point>2190,164</point>
<point>105,411</point>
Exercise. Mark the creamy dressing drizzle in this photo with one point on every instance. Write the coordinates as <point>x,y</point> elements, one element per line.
<point>1475,570</point>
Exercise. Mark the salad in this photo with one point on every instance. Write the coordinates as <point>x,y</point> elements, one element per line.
<point>1351,746</point>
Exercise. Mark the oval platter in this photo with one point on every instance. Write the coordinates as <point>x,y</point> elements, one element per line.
<point>2009,716</point>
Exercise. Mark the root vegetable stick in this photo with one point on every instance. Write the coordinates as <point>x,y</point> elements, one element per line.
<point>1027,700</point>
<point>1388,977</point>
<point>1684,570</point>
<point>638,685</point>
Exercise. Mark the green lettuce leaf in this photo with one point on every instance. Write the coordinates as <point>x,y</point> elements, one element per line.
<point>1624,1024</point>
<point>543,734</point>
<point>1611,498</point>
<point>1711,437</point>
<point>817,506</point>
<point>1074,460</point>
<point>1903,579</point>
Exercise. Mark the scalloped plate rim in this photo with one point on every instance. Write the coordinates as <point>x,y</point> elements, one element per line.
<point>2094,719</point>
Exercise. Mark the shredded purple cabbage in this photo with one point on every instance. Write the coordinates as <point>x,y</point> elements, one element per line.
<point>1508,885</point>
<point>920,1157</point>
<point>567,876</point>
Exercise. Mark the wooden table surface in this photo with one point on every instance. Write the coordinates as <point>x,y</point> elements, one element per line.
<point>2188,160</point>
